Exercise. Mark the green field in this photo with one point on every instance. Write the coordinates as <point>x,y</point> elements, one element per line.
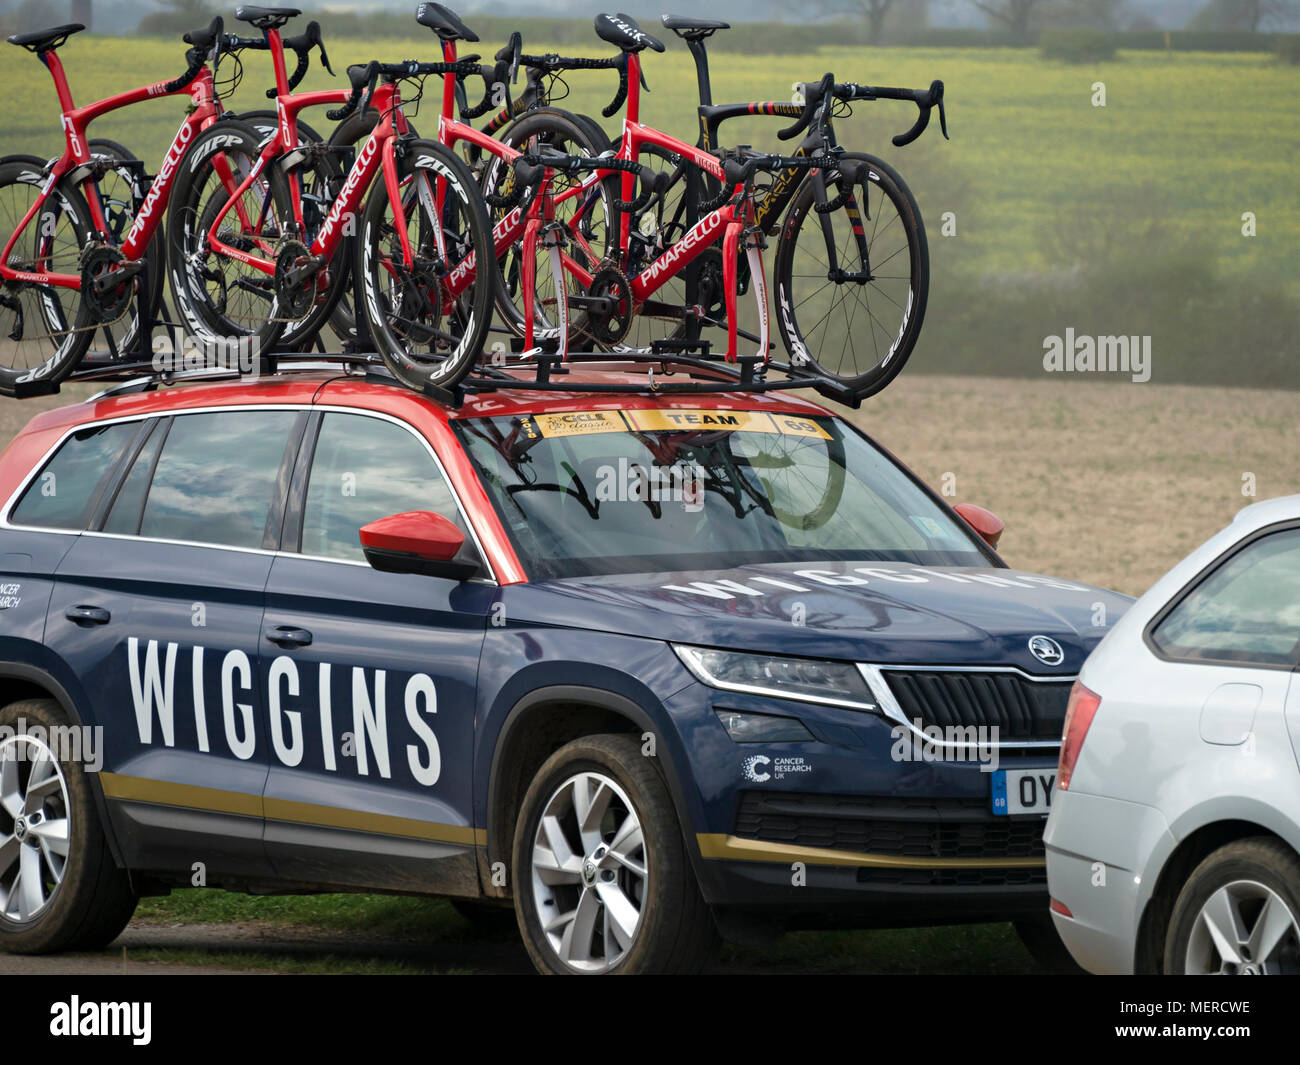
<point>1124,219</point>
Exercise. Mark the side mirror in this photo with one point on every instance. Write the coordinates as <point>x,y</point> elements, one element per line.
<point>417,541</point>
<point>987,524</point>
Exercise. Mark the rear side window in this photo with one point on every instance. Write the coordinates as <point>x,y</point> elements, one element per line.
<point>215,478</point>
<point>1247,611</point>
<point>363,469</point>
<point>63,495</point>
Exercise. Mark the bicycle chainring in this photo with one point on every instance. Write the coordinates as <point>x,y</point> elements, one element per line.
<point>610,325</point>
<point>294,299</point>
<point>106,303</point>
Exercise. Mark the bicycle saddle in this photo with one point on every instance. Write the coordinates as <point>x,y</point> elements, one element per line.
<point>444,23</point>
<point>45,40</point>
<point>623,32</point>
<point>694,29</point>
<point>266,18</point>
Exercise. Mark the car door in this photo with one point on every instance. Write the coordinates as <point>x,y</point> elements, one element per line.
<point>1240,625</point>
<point>156,608</point>
<point>370,676</point>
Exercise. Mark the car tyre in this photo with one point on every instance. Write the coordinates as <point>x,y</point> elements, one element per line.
<point>1239,912</point>
<point>81,899</point>
<point>604,882</point>
<point>1045,946</point>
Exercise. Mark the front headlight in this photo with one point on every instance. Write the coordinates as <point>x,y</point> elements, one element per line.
<point>806,679</point>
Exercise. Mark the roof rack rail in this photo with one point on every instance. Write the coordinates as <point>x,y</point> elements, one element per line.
<point>136,376</point>
<point>687,374</point>
<point>671,368</point>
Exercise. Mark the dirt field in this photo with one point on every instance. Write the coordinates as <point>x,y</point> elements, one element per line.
<point>1104,482</point>
<point>1110,483</point>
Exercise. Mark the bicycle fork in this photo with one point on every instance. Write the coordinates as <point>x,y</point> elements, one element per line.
<point>736,234</point>
<point>825,207</point>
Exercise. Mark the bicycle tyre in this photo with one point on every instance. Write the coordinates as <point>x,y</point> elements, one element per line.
<point>206,313</point>
<point>801,342</point>
<point>389,319</point>
<point>67,353</point>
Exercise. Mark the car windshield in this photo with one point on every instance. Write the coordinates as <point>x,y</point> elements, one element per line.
<point>668,490</point>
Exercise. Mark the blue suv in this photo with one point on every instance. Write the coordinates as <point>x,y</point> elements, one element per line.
<point>647,668</point>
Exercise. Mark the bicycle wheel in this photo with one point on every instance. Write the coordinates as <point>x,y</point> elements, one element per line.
<point>121,192</point>
<point>428,314</point>
<point>588,245</point>
<point>218,297</point>
<point>44,329</point>
<point>345,140</point>
<point>859,327</point>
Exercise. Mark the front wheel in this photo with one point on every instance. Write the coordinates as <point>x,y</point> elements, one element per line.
<point>852,282</point>
<point>428,311</point>
<point>603,882</point>
<point>1239,913</point>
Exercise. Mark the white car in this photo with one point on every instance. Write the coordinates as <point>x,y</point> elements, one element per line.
<point>1174,839</point>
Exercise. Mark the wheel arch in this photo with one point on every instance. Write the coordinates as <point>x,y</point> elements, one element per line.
<point>533,730</point>
<point>18,681</point>
<point>1153,926</point>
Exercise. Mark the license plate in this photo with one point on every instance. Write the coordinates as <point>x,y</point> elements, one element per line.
<point>1017,792</point>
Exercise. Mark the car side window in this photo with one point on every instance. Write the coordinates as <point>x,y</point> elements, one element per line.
<point>215,478</point>
<point>63,495</point>
<point>366,468</point>
<point>1247,611</point>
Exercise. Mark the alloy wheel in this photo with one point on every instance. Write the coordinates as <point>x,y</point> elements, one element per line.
<point>589,872</point>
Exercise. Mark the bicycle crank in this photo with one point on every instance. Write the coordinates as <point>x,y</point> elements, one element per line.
<point>296,277</point>
<point>609,306</point>
<point>107,281</point>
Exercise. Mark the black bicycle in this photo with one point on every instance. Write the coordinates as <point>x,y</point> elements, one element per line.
<point>852,269</point>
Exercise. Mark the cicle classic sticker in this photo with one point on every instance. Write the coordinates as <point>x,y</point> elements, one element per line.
<point>578,423</point>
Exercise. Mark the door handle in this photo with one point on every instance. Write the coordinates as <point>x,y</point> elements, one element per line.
<point>88,615</point>
<point>288,636</point>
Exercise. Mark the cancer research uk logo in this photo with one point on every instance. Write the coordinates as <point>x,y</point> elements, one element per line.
<point>759,768</point>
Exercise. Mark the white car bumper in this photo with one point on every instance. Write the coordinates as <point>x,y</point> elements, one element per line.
<point>1097,851</point>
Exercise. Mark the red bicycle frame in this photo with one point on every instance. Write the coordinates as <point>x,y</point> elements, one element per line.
<point>376,152</point>
<point>205,110</point>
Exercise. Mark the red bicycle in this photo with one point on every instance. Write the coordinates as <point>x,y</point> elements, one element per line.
<point>66,270</point>
<point>608,294</point>
<point>421,233</point>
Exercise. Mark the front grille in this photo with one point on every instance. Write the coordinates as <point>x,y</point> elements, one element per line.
<point>1019,708</point>
<point>903,828</point>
